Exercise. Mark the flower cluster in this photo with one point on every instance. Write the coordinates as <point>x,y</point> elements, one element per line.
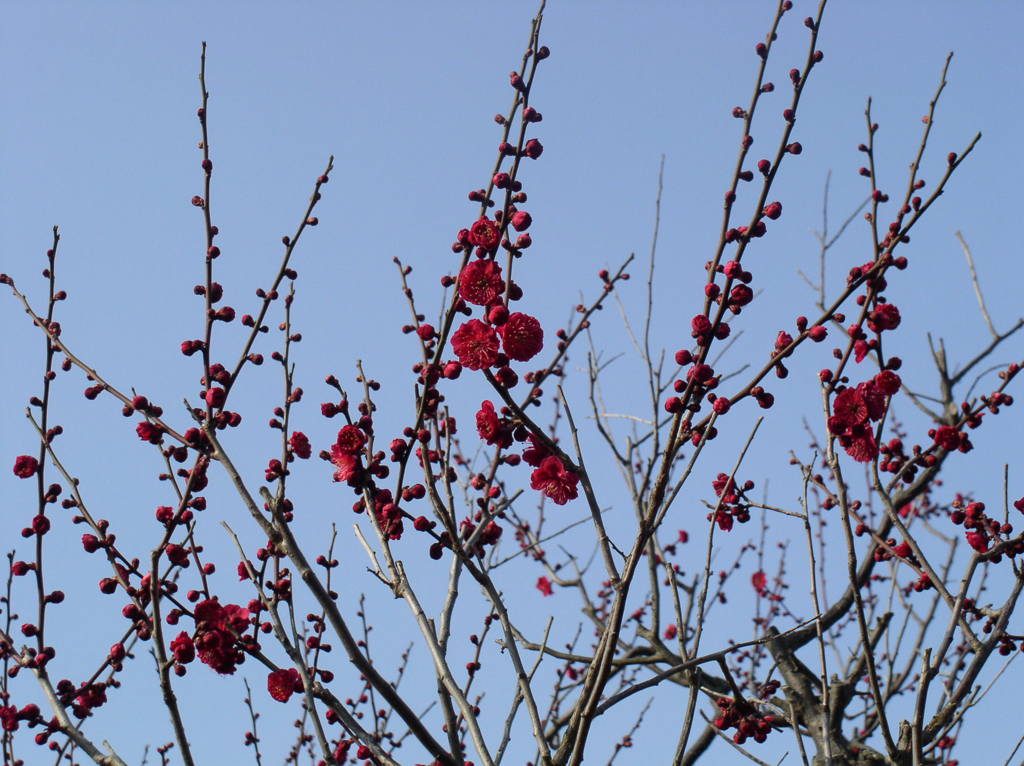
<point>743,716</point>
<point>733,505</point>
<point>216,640</point>
<point>855,409</point>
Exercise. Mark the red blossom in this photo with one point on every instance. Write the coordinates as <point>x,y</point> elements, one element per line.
<point>480,283</point>
<point>522,337</point>
<point>759,580</point>
<point>535,454</point>
<point>183,649</point>
<point>544,586</point>
<point>884,317</point>
<point>978,541</point>
<point>859,443</point>
<point>25,466</point>
<point>849,409</point>
<point>888,382</point>
<point>490,427</point>
<point>350,440</point>
<point>348,466</point>
<point>484,233</point>
<point>300,445</point>
<point>149,432</point>
<point>874,398</point>
<point>476,345</point>
<point>217,631</point>
<point>553,480</point>
<point>283,683</point>
<point>948,438</point>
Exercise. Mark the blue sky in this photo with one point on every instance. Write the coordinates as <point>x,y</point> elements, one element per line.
<point>100,139</point>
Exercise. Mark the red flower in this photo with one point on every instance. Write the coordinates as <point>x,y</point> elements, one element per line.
<point>148,432</point>
<point>859,443</point>
<point>349,467</point>
<point>884,317</point>
<point>480,283</point>
<point>848,410</point>
<point>484,233</point>
<point>544,586</point>
<point>948,438</point>
<point>759,581</point>
<point>300,445</point>
<point>25,466</point>
<point>283,683</point>
<point>476,345</point>
<point>874,398</point>
<point>183,649</point>
<point>490,427</point>
<point>217,631</point>
<point>522,337</point>
<point>773,211</point>
<point>350,440</point>
<point>553,480</point>
<point>888,382</point>
<point>536,453</point>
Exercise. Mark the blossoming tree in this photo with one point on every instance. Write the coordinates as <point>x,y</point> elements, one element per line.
<point>884,671</point>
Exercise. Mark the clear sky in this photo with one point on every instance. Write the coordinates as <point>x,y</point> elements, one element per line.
<point>99,137</point>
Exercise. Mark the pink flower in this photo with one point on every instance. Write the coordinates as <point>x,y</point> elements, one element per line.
<point>484,233</point>
<point>476,345</point>
<point>522,337</point>
<point>25,466</point>
<point>283,683</point>
<point>553,480</point>
<point>480,283</point>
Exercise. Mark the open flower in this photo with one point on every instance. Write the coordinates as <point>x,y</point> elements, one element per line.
<point>283,683</point>
<point>480,283</point>
<point>476,345</point>
<point>484,233</point>
<point>522,337</point>
<point>553,480</point>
